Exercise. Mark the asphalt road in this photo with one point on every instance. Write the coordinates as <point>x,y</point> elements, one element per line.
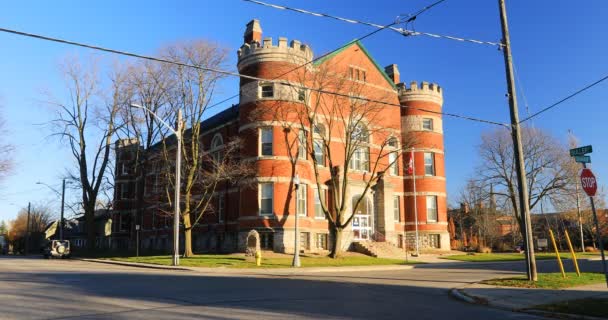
<point>33,288</point>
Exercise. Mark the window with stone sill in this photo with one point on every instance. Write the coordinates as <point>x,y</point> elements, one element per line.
<point>266,198</point>
<point>427,124</point>
<point>267,90</point>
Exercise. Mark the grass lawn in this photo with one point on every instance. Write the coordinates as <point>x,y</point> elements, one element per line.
<point>549,280</point>
<point>272,261</point>
<point>492,257</point>
<point>588,307</point>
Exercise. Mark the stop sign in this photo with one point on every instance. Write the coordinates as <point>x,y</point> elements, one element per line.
<point>588,182</point>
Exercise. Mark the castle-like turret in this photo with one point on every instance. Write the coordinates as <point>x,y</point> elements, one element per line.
<point>421,122</point>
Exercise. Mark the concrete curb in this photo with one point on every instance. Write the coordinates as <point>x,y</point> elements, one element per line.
<point>559,315</point>
<point>460,294</point>
<point>252,271</point>
<point>135,265</point>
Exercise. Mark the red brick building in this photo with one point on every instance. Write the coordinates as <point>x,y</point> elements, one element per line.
<point>270,206</point>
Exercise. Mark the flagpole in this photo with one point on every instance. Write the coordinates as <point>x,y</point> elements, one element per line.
<point>415,202</point>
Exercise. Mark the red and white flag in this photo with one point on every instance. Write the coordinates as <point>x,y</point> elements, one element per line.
<point>410,165</point>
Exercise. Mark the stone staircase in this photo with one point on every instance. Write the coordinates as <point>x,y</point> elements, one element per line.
<point>378,249</point>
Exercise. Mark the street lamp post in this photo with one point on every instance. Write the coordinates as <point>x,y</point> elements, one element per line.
<point>296,254</point>
<point>61,224</point>
<point>178,161</point>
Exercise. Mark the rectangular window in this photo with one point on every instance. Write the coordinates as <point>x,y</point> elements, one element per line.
<point>318,208</point>
<point>220,208</point>
<point>125,169</point>
<point>267,91</point>
<point>360,159</point>
<point>435,241</point>
<point>427,124</point>
<point>156,185</point>
<point>431,208</point>
<point>429,163</point>
<point>322,241</point>
<point>266,141</point>
<point>124,191</point>
<point>392,160</point>
<point>397,208</point>
<point>267,240</point>
<point>302,144</point>
<point>319,154</point>
<point>301,200</point>
<point>304,242</point>
<point>266,198</point>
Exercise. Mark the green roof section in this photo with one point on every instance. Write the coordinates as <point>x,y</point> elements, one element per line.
<point>369,56</point>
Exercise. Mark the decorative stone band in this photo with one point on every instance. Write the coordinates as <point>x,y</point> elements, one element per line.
<point>296,52</point>
<point>425,222</point>
<point>414,123</point>
<point>422,194</point>
<point>121,143</point>
<point>419,178</point>
<point>426,92</point>
<point>252,91</point>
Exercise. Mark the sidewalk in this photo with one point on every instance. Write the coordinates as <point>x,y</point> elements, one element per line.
<point>254,271</point>
<point>525,299</point>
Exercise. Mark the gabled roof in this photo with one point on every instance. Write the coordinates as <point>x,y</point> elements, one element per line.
<point>369,56</point>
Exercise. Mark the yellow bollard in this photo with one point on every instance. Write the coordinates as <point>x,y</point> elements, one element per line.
<point>578,272</point>
<point>258,258</point>
<point>559,260</point>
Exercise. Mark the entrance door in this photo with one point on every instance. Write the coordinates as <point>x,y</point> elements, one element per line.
<point>361,227</point>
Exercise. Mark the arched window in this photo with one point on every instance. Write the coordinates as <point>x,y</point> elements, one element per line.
<point>359,140</point>
<point>216,145</point>
<point>319,143</point>
<point>392,156</point>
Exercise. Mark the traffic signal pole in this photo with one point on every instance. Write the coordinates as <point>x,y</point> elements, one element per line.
<point>524,205</point>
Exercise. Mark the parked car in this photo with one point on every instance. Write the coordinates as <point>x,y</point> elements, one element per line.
<point>57,249</point>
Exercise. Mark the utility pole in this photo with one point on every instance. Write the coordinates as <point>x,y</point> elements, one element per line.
<point>62,207</point>
<point>296,251</point>
<point>415,203</point>
<point>178,166</point>
<point>524,205</point>
<point>27,228</point>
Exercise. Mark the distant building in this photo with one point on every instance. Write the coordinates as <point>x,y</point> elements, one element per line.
<point>388,211</point>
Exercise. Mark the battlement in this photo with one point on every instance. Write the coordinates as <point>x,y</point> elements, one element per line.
<point>425,92</point>
<point>255,52</point>
<point>123,143</point>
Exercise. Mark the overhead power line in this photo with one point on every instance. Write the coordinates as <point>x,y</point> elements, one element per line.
<point>380,28</point>
<point>587,87</point>
<point>401,31</point>
<point>235,74</point>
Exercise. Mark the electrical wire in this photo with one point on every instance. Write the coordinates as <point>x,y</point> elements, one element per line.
<point>235,74</point>
<point>401,31</point>
<point>587,87</point>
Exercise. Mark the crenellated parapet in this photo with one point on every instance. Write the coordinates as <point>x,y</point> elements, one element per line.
<point>252,53</point>
<point>425,92</point>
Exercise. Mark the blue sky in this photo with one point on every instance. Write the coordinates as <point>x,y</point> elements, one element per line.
<point>558,47</point>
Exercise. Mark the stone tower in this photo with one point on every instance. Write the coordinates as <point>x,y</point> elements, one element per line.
<point>421,121</point>
<point>263,138</point>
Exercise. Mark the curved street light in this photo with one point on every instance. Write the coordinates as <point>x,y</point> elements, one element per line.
<point>177,132</point>
<point>61,222</point>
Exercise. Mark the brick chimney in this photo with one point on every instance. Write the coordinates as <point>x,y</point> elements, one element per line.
<point>253,32</point>
<point>393,72</point>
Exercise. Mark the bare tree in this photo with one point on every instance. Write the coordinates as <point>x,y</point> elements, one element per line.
<point>203,168</point>
<point>545,160</point>
<point>86,123</point>
<point>480,216</point>
<point>334,130</point>
<point>6,151</point>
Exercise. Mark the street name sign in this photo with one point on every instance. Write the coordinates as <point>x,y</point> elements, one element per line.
<point>582,159</point>
<point>581,151</point>
<point>588,182</point>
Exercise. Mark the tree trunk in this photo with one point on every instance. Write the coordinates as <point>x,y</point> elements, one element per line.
<point>188,243</point>
<point>336,249</point>
<point>89,216</point>
<point>187,237</point>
